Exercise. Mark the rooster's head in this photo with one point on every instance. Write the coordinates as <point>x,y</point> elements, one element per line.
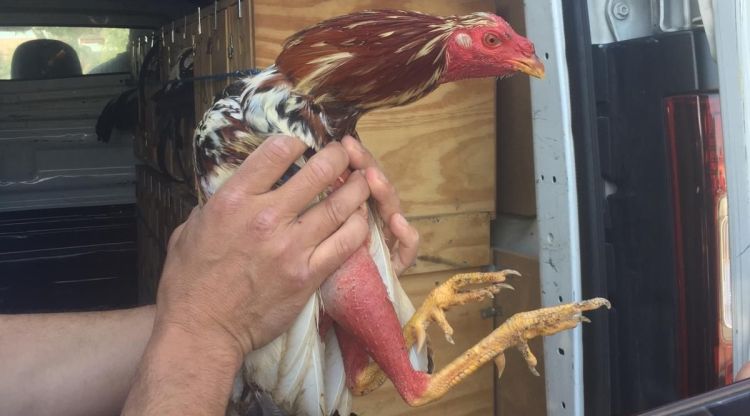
<point>488,47</point>
<point>384,58</point>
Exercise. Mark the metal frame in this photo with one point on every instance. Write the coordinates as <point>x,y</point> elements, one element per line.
<point>557,204</point>
<point>733,50</point>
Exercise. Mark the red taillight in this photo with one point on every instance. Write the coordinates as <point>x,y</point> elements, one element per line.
<point>696,148</point>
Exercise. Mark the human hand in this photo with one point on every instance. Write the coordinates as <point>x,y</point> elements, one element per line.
<point>402,238</point>
<point>241,268</point>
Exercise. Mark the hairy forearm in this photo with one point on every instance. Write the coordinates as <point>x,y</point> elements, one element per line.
<point>70,363</point>
<point>183,373</point>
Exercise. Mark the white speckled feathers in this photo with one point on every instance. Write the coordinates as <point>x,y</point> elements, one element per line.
<point>303,373</point>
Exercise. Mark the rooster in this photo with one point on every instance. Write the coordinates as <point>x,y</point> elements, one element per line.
<point>360,328</point>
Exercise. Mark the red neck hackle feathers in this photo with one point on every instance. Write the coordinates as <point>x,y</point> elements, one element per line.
<point>386,58</point>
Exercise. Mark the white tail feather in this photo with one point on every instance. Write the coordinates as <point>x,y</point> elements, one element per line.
<point>312,397</point>
<point>300,343</point>
<point>335,377</point>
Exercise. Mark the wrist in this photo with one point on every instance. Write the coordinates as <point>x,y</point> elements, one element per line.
<point>216,345</point>
<point>182,371</point>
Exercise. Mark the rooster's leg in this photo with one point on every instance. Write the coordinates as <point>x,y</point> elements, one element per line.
<point>366,376</point>
<point>514,332</point>
<point>363,375</point>
<point>367,326</point>
<point>356,299</point>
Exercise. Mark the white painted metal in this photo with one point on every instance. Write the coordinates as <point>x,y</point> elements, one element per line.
<point>618,20</point>
<point>557,204</point>
<point>733,48</point>
<point>598,25</point>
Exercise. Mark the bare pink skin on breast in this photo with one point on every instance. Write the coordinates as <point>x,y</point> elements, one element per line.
<point>356,298</point>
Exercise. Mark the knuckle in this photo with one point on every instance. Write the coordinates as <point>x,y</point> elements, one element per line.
<point>335,210</point>
<point>321,172</point>
<point>361,184</point>
<point>265,223</point>
<point>337,153</point>
<point>227,202</point>
<point>299,276</point>
<point>359,232</point>
<point>343,247</point>
<point>278,150</point>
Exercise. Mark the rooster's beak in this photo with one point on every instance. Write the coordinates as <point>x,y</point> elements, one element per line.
<point>531,66</point>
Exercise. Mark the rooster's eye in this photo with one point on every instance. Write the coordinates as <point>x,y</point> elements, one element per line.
<point>491,40</point>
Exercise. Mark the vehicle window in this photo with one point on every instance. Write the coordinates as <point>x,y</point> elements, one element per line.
<point>57,52</point>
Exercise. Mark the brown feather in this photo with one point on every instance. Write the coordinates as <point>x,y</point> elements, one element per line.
<point>371,59</point>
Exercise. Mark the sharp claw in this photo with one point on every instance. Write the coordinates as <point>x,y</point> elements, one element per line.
<point>500,364</point>
<point>505,286</point>
<point>585,319</point>
<point>594,303</point>
<point>512,272</point>
<point>531,360</point>
<point>449,338</point>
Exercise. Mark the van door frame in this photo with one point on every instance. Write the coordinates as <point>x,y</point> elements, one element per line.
<point>557,204</point>
<point>733,52</point>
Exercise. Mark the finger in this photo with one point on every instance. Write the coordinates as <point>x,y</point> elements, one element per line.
<point>264,166</point>
<point>359,156</point>
<point>315,177</point>
<point>336,249</point>
<point>386,199</point>
<point>405,253</point>
<point>175,236</point>
<point>326,217</point>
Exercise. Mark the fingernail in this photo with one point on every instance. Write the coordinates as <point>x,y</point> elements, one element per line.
<point>381,176</point>
<point>357,144</point>
<point>400,220</point>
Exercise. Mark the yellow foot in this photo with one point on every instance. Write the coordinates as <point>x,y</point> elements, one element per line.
<point>514,332</point>
<point>451,293</point>
<point>541,322</point>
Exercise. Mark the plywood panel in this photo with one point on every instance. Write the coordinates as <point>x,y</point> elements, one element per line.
<point>202,66</point>
<point>520,392</point>
<point>452,242</point>
<point>474,395</point>
<point>239,32</point>
<point>440,151</point>
<point>219,53</point>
